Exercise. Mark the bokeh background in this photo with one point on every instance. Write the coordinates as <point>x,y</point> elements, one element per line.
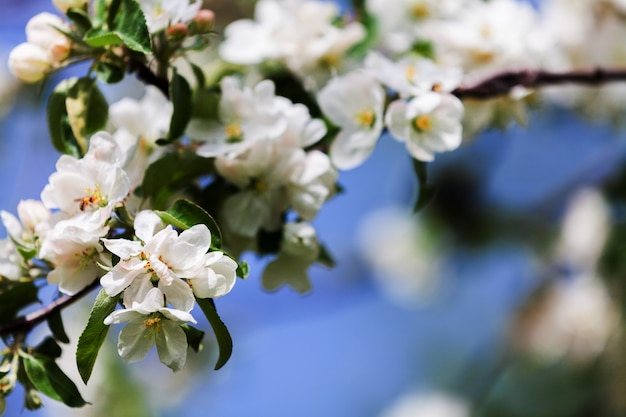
<point>424,315</point>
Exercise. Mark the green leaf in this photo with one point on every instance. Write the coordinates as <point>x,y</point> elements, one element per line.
<point>87,110</point>
<point>16,298</point>
<point>55,322</point>
<point>426,191</point>
<point>80,18</point>
<point>93,336</point>
<point>325,258</point>
<point>130,25</point>
<point>243,269</point>
<point>170,174</point>
<point>199,74</point>
<point>59,127</point>
<point>48,378</point>
<point>184,214</point>
<point>194,337</point>
<point>99,12</point>
<point>127,25</point>
<point>110,72</point>
<point>224,341</point>
<point>49,347</point>
<point>180,95</point>
<point>424,48</point>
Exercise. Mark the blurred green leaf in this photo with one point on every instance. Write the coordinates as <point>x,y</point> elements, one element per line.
<point>48,378</point>
<point>87,110</point>
<point>13,299</point>
<point>180,95</point>
<point>194,337</point>
<point>184,214</point>
<point>58,122</point>
<point>426,191</point>
<point>224,341</point>
<point>93,336</point>
<point>49,348</point>
<point>55,323</point>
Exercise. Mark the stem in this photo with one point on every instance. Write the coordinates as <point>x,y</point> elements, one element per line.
<point>503,83</point>
<point>25,323</point>
<point>145,74</point>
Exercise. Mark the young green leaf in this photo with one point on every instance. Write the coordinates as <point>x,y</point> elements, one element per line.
<point>194,337</point>
<point>325,258</point>
<point>80,18</point>
<point>130,26</point>
<point>87,109</point>
<point>224,341</point>
<point>16,298</point>
<point>91,339</point>
<point>183,214</point>
<point>426,191</point>
<point>98,37</point>
<point>49,347</point>
<point>47,377</point>
<point>55,323</point>
<point>180,94</point>
<point>243,269</point>
<point>58,123</point>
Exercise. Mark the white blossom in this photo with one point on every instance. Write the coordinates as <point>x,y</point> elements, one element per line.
<point>428,404</point>
<point>216,277</point>
<point>42,30</point>
<point>10,260</point>
<point>31,215</point>
<point>161,14</point>
<point>150,323</point>
<point>93,182</point>
<point>354,102</point>
<point>162,257</point>
<point>427,124</point>
<point>29,62</point>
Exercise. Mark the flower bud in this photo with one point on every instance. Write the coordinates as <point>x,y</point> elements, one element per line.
<point>177,30</point>
<point>29,62</point>
<point>64,5</point>
<point>204,20</point>
<point>41,31</point>
<point>31,213</point>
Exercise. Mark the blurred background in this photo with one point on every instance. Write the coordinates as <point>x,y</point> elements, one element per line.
<point>501,298</point>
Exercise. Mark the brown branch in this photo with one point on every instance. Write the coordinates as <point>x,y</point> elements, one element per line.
<point>502,84</point>
<point>25,323</point>
<point>145,74</point>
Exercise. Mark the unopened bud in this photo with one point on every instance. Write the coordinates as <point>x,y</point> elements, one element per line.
<point>177,30</point>
<point>204,20</point>
<point>29,62</point>
<point>41,30</point>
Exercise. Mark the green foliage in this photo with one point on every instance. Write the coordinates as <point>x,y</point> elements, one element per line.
<point>63,138</point>
<point>15,298</point>
<point>175,170</point>
<point>180,95</point>
<point>87,110</point>
<point>55,323</point>
<point>224,341</point>
<point>184,214</point>
<point>243,269</point>
<point>426,191</point>
<point>325,257</point>
<point>194,337</point>
<point>93,336</point>
<point>126,25</point>
<point>48,378</point>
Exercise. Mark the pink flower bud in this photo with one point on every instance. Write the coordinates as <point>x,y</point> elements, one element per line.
<point>204,20</point>
<point>177,30</point>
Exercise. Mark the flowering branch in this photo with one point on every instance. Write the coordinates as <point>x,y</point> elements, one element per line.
<point>503,83</point>
<point>29,321</point>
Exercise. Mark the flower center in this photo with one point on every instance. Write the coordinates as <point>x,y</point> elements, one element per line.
<point>410,73</point>
<point>365,118</point>
<point>233,133</point>
<point>153,324</point>
<point>84,259</point>
<point>92,199</point>
<point>419,11</point>
<point>422,123</point>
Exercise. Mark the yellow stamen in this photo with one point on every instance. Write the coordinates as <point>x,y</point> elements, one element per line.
<point>365,118</point>
<point>153,324</point>
<point>93,198</point>
<point>410,73</point>
<point>233,132</point>
<point>422,123</point>
<point>419,11</point>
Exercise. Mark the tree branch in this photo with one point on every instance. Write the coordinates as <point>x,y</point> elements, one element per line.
<point>25,323</point>
<point>502,84</point>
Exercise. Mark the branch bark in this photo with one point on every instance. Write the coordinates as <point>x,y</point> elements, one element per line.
<point>502,84</point>
<point>25,323</point>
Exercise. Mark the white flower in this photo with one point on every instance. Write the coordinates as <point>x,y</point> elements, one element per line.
<point>216,278</point>
<point>428,404</point>
<point>427,124</point>
<point>353,102</point>
<point>246,115</point>
<point>150,323</point>
<point>413,75</point>
<point>138,125</point>
<point>90,183</point>
<point>10,260</point>
<point>163,13</point>
<point>31,213</point>
<point>74,250</point>
<point>29,62</point>
<point>162,257</point>
<point>298,34</point>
